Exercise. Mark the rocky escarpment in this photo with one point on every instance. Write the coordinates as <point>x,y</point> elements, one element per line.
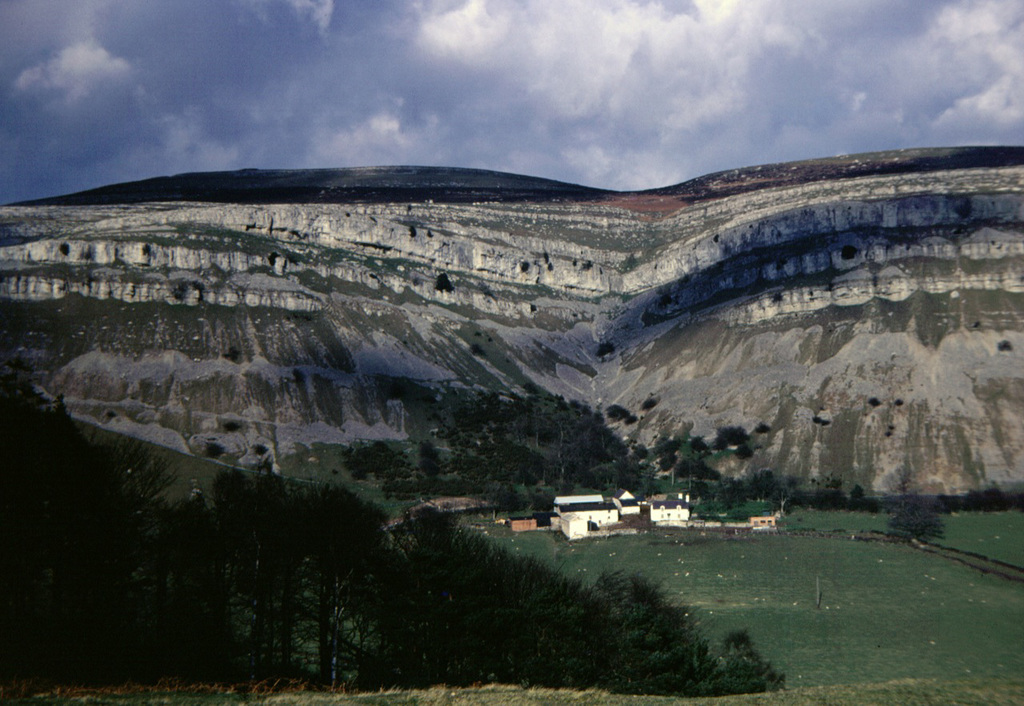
<point>871,322</point>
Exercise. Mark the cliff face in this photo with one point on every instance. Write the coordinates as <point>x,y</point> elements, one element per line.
<point>872,322</point>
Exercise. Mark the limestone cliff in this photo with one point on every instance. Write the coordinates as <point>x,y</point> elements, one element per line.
<point>871,319</point>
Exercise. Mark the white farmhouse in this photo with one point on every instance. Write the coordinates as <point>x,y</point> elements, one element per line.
<point>671,512</point>
<point>598,514</point>
<point>578,514</point>
<point>574,526</point>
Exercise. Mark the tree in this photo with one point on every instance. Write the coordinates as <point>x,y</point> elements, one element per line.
<point>656,647</point>
<point>785,489</point>
<point>762,484</point>
<point>76,522</point>
<point>915,517</point>
<point>730,436</point>
<point>344,539</point>
<point>741,670</point>
<point>430,460</point>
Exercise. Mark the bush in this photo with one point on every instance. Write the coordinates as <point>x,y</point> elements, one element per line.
<point>915,517</point>
<point>730,436</point>
<point>618,413</point>
<point>741,670</point>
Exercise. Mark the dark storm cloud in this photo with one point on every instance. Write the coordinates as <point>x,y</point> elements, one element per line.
<point>615,93</point>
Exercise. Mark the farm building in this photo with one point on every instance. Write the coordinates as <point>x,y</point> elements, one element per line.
<point>674,511</point>
<point>627,503</point>
<point>600,513</point>
<point>762,523</point>
<point>522,524</point>
<point>563,501</point>
<point>573,526</point>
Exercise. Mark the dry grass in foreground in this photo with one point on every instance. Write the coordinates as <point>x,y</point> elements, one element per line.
<point>904,691</point>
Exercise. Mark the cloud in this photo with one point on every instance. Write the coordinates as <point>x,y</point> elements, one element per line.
<point>75,71</point>
<point>612,93</point>
<point>983,45</point>
<point>621,77</point>
<point>319,12</point>
<point>381,135</point>
<point>469,32</point>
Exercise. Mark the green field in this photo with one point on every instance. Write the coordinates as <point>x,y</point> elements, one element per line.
<point>997,535</point>
<point>835,521</point>
<point>887,611</point>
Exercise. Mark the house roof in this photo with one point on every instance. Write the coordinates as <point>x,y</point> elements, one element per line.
<point>670,504</point>
<point>629,502</point>
<point>624,494</point>
<point>573,499</point>
<point>590,507</point>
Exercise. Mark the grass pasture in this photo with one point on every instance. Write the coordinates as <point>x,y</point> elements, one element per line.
<point>997,535</point>
<point>888,612</point>
<point>835,521</point>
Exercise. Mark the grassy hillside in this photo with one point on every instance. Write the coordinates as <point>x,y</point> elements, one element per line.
<point>887,612</point>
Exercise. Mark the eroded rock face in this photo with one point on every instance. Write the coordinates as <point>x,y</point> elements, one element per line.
<point>872,322</point>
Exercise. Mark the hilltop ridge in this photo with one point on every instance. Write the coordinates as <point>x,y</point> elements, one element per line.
<point>356,184</point>
<point>460,185</point>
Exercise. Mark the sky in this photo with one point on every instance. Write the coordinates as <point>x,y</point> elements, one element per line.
<point>621,94</point>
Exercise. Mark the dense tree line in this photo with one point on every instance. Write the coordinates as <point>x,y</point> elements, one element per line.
<point>493,445</point>
<point>518,452</point>
<point>104,580</point>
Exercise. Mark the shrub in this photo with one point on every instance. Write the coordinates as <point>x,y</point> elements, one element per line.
<point>741,670</point>
<point>915,517</point>
<point>617,412</point>
<point>730,436</point>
